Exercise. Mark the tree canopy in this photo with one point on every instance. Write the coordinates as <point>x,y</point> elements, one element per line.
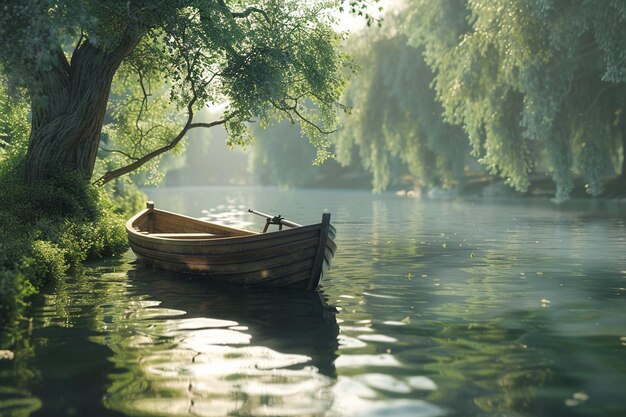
<point>152,65</point>
<point>523,87</point>
<point>395,119</point>
<point>531,82</point>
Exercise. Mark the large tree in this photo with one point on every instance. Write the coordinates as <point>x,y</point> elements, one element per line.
<point>260,59</point>
<point>396,122</point>
<point>531,80</point>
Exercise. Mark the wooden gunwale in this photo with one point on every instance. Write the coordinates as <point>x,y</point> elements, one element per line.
<point>236,240</point>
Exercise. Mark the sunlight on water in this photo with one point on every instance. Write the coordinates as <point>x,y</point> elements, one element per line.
<point>430,309</point>
<point>233,215</point>
<point>209,366</point>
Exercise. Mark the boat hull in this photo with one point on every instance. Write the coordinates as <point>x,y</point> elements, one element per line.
<point>297,257</point>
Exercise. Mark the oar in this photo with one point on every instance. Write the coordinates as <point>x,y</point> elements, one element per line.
<point>279,220</point>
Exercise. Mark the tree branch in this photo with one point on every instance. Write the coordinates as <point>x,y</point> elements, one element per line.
<point>139,162</point>
<point>79,42</point>
<point>127,155</point>
<point>144,100</point>
<point>249,11</point>
<point>245,13</point>
<point>597,97</point>
<point>285,108</point>
<point>304,119</point>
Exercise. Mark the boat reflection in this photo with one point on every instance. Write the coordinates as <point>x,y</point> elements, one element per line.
<point>188,347</point>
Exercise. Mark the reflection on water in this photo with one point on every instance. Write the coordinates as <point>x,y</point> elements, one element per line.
<point>195,349</point>
<point>431,308</point>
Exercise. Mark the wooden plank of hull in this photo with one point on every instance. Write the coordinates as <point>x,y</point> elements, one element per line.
<point>284,250</point>
<point>331,246</point>
<point>223,245</point>
<point>298,279</point>
<point>332,232</point>
<point>275,276</point>
<point>328,256</point>
<point>254,273</point>
<point>207,264</point>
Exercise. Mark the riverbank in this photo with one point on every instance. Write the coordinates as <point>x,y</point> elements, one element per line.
<point>540,187</point>
<point>48,230</point>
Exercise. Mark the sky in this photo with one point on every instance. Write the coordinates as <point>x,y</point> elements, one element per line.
<point>349,22</point>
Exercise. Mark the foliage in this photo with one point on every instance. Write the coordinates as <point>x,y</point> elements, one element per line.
<point>50,228</point>
<point>531,78</point>
<point>141,118</point>
<point>157,64</point>
<point>279,157</point>
<point>14,291</point>
<point>362,8</point>
<point>14,124</point>
<point>395,117</point>
<point>261,59</point>
<point>126,196</point>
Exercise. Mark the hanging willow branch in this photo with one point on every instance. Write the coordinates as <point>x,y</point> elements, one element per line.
<point>286,109</point>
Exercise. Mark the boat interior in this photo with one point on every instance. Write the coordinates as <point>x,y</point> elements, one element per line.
<point>163,224</point>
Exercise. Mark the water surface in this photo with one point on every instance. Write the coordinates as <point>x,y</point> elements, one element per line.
<point>431,308</point>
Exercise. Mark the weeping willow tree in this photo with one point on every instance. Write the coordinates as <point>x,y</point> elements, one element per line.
<point>395,121</point>
<point>531,80</point>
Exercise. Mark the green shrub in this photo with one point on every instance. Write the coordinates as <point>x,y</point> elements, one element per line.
<point>46,261</point>
<point>14,290</point>
<point>112,232</point>
<point>51,227</point>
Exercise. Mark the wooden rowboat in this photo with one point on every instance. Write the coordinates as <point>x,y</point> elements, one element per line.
<point>295,257</point>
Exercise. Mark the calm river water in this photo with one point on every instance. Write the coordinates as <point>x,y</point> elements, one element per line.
<point>431,308</point>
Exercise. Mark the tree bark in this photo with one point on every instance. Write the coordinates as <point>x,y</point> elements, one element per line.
<point>69,100</point>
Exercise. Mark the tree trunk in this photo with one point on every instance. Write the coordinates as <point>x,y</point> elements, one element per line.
<point>69,101</point>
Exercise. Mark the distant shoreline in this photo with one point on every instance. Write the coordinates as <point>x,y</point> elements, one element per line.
<point>544,188</point>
